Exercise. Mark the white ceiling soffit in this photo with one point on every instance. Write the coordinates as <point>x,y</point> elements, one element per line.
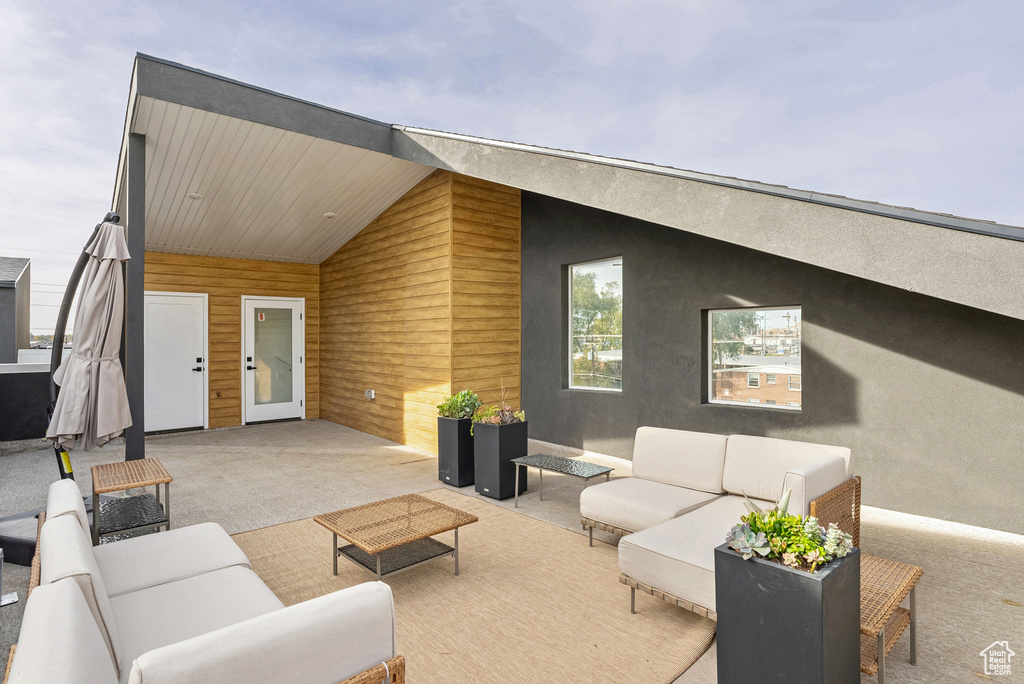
<point>264,190</point>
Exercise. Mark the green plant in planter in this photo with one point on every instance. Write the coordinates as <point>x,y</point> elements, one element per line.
<point>787,539</point>
<point>461,405</point>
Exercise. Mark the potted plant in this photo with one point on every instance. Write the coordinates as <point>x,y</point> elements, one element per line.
<point>499,435</point>
<point>787,594</point>
<point>455,439</point>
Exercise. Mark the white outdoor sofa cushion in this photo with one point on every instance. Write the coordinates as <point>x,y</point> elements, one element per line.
<point>132,564</point>
<point>755,465</point>
<point>60,642</point>
<point>635,504</point>
<point>172,612</point>
<point>678,556</point>
<point>64,553</point>
<point>325,639</point>
<point>674,471</point>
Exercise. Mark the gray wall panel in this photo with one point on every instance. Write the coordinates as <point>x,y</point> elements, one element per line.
<point>929,394</point>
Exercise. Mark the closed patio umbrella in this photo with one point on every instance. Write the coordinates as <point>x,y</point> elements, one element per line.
<point>93,401</point>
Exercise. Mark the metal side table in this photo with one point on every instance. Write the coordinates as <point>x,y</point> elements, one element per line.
<point>133,513</point>
<point>559,464</point>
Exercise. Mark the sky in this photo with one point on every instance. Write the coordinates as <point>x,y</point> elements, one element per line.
<point>909,103</point>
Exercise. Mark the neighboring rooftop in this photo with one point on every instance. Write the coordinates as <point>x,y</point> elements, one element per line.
<point>11,269</point>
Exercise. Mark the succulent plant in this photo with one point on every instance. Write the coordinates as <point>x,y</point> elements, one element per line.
<point>813,530</point>
<point>791,560</point>
<point>837,543</point>
<point>742,539</point>
<point>783,506</point>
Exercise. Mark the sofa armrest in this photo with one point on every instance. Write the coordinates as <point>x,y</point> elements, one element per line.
<point>320,641</point>
<point>389,672</point>
<point>813,479</point>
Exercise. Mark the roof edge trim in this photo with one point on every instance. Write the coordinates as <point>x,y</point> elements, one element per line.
<point>978,226</point>
<point>267,91</point>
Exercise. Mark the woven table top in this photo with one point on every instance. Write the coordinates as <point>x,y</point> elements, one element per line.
<point>883,586</point>
<point>114,477</point>
<point>382,525</point>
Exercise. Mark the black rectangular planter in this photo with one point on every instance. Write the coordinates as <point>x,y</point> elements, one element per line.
<point>778,624</point>
<point>455,451</point>
<point>495,446</point>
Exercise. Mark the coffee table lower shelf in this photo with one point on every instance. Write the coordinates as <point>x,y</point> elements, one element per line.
<point>399,558</point>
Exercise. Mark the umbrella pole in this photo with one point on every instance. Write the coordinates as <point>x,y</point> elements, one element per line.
<point>63,458</point>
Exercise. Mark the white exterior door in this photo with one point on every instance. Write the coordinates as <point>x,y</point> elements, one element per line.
<point>176,376</point>
<point>273,358</point>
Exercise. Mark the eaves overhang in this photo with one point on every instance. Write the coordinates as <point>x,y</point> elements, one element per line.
<point>971,262</point>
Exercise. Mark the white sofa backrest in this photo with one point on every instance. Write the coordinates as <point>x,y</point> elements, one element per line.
<point>63,498</point>
<point>325,639</point>
<point>757,466</point>
<point>680,457</point>
<point>64,552</point>
<point>60,642</point>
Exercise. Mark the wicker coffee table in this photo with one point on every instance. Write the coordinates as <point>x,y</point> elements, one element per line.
<point>395,534</point>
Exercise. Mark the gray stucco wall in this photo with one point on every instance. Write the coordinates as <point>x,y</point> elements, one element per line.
<point>929,394</point>
<point>8,325</point>
<point>24,310</point>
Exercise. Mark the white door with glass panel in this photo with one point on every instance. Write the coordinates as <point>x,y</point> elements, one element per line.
<point>176,376</point>
<point>273,358</point>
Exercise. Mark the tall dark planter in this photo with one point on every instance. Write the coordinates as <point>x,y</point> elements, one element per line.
<point>455,451</point>
<point>777,624</point>
<point>494,448</point>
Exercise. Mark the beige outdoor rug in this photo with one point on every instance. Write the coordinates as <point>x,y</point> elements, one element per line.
<point>533,602</point>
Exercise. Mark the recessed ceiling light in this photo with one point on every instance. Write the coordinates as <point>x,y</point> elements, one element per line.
<point>194,196</point>
<point>330,214</point>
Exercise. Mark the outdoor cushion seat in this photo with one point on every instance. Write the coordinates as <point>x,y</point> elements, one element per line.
<point>154,559</point>
<point>60,642</point>
<point>176,611</point>
<point>678,556</point>
<point>148,560</point>
<point>635,504</point>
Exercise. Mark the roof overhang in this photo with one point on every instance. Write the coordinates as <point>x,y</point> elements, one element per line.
<point>971,262</point>
<point>237,171</point>
<point>269,167</point>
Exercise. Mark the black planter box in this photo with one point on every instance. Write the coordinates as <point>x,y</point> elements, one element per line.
<point>455,451</point>
<point>777,624</point>
<point>494,448</point>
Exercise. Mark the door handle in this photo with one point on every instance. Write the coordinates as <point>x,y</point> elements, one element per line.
<point>250,368</point>
<point>197,369</point>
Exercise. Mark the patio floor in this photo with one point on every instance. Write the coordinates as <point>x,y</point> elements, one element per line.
<point>251,477</point>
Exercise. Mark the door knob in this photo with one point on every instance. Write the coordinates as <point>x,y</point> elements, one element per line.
<point>197,369</point>
<point>250,368</point>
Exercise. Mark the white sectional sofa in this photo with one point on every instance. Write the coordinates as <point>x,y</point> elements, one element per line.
<point>686,493</point>
<point>183,606</point>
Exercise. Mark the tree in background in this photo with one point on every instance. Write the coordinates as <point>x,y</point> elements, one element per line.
<point>596,326</point>
<point>728,328</point>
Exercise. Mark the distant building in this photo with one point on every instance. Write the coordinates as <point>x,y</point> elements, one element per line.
<point>15,298</point>
<point>775,385</point>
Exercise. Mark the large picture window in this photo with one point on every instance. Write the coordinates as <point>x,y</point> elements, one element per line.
<point>595,325</point>
<point>754,357</point>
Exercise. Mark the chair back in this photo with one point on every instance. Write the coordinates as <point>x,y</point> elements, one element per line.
<point>841,506</point>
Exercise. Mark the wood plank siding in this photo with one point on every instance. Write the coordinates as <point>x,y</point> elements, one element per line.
<point>424,301</point>
<point>485,289</point>
<point>226,280</point>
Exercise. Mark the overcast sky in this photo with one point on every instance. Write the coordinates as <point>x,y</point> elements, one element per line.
<point>910,103</point>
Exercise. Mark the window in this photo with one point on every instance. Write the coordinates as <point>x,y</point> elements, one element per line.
<point>595,325</point>
<point>750,352</point>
